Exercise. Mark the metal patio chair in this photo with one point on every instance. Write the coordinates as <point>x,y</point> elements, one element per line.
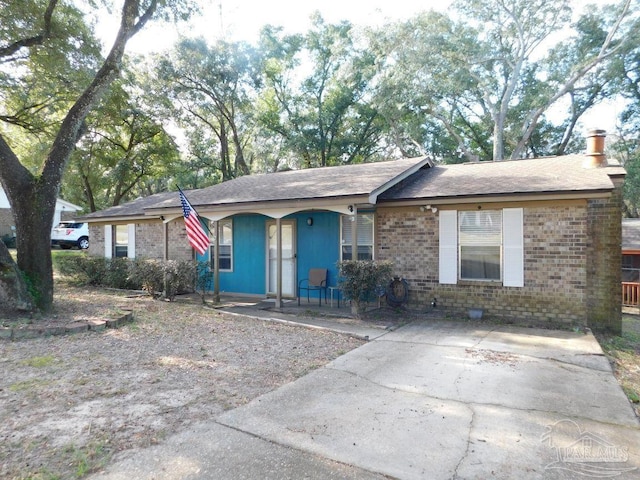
<point>317,281</point>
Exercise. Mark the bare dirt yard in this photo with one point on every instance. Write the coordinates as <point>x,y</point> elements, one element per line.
<point>69,403</point>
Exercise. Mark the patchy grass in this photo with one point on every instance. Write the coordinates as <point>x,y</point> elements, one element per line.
<point>69,403</point>
<point>39,362</point>
<point>623,352</point>
<point>29,385</point>
<point>88,458</point>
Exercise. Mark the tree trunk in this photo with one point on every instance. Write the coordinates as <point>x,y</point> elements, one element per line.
<point>32,197</point>
<point>498,138</point>
<point>33,243</point>
<point>14,294</point>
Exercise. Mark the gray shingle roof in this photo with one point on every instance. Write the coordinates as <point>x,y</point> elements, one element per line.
<point>631,233</point>
<point>516,177</point>
<point>532,176</point>
<point>133,208</point>
<point>312,183</point>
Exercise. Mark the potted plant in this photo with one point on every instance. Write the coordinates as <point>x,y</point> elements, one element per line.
<point>359,280</point>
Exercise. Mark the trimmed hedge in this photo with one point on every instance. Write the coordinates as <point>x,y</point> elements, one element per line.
<point>166,278</point>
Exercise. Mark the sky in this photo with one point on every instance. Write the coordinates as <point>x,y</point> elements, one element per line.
<point>241,20</point>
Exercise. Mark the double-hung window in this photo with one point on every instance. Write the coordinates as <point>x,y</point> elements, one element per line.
<point>482,245</point>
<point>120,241</point>
<point>365,236</point>
<point>225,257</point>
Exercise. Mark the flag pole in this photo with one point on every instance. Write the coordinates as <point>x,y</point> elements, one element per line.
<point>216,269</point>
<point>206,225</point>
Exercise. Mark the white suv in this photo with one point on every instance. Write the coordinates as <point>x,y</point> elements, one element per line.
<point>71,234</point>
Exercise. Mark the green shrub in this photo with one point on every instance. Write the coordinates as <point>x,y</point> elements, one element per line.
<point>167,277</point>
<point>361,279</point>
<point>117,274</point>
<point>153,276</point>
<point>149,275</point>
<point>185,276</point>
<point>83,269</point>
<point>203,279</point>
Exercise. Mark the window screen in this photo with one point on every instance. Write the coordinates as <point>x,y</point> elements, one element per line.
<point>226,245</point>
<point>480,241</point>
<point>365,236</point>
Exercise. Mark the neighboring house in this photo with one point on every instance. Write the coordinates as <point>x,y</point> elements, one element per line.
<point>631,261</point>
<point>531,241</point>
<point>64,211</point>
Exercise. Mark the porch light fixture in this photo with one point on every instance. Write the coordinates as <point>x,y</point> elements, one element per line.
<point>310,221</point>
<point>429,207</point>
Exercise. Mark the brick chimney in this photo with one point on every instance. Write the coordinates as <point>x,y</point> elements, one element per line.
<point>595,157</point>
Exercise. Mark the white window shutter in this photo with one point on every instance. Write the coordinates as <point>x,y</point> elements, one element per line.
<point>448,254</point>
<point>131,247</point>
<point>108,241</point>
<point>513,245</point>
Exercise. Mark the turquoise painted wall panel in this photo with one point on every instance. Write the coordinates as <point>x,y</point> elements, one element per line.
<point>318,244</point>
<point>249,253</point>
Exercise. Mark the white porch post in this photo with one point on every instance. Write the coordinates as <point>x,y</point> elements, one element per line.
<point>165,240</point>
<point>354,234</point>
<point>216,260</point>
<point>279,263</point>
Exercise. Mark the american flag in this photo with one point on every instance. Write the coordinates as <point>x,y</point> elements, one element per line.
<point>195,233</point>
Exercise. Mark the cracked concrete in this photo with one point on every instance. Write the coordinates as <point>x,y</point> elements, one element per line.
<point>442,400</point>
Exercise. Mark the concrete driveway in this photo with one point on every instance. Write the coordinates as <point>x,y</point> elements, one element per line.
<point>431,400</point>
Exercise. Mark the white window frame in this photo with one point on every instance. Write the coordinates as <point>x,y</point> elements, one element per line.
<point>476,231</point>
<point>512,263</point>
<point>122,229</point>
<point>365,220</point>
<point>226,246</point>
<point>110,243</point>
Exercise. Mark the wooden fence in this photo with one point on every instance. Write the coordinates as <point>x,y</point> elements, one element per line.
<point>630,294</point>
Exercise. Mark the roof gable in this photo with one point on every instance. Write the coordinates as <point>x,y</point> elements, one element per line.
<point>363,179</point>
<point>343,182</point>
<point>564,174</point>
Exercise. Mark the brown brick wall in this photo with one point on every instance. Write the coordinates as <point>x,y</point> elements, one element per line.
<point>555,252</point>
<point>149,240</point>
<point>96,240</point>
<point>604,268</point>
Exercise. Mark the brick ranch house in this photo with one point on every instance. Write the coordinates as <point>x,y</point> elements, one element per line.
<point>533,241</point>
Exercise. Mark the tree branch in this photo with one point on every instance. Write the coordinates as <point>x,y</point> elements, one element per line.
<point>603,54</point>
<point>39,39</point>
<point>68,134</point>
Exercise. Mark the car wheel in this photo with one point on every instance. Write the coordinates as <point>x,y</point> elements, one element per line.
<point>83,243</point>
